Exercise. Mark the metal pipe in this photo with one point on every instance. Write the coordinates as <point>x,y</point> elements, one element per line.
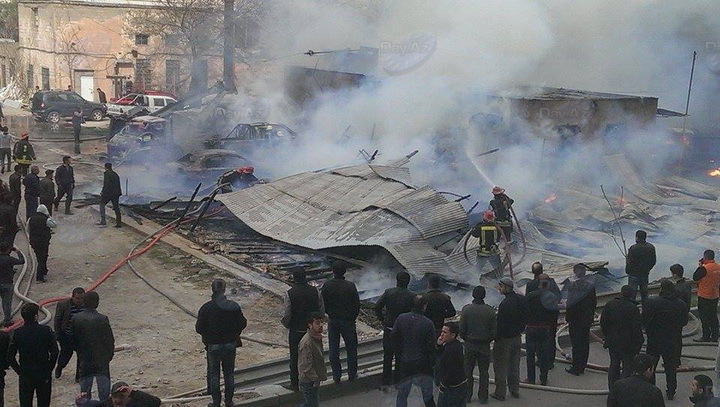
<point>192,198</point>
<point>163,203</point>
<point>205,208</point>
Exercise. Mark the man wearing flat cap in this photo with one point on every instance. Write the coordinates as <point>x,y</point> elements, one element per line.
<point>512,317</point>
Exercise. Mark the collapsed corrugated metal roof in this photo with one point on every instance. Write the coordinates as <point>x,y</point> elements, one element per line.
<point>362,205</point>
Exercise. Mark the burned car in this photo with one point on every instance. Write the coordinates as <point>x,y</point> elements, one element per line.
<point>207,166</point>
<point>141,138</point>
<point>245,138</point>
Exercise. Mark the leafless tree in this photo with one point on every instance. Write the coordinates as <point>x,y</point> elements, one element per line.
<point>71,48</point>
<point>196,27</point>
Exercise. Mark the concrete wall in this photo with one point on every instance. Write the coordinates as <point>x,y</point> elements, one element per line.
<point>103,44</point>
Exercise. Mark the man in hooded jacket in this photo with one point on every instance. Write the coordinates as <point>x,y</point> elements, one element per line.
<point>220,323</point>
<point>39,226</point>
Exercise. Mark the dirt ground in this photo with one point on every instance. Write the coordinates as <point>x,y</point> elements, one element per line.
<point>162,353</point>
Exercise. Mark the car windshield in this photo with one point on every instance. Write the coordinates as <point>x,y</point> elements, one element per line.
<point>136,129</point>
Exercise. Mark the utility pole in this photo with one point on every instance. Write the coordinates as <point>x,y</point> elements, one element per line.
<point>229,45</point>
<point>687,103</point>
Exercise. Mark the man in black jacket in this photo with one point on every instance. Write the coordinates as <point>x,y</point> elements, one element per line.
<point>636,390</point>
<point>65,180</point>
<point>393,302</point>
<point>534,284</point>
<point>664,317</point>
<point>639,261</point>
<point>451,375</point>
<point>64,313</point>
<point>32,191</point>
<point>342,304</point>
<point>438,305</point>
<point>95,346</point>
<point>542,319</point>
<point>220,322</point>
<point>77,120</point>
<point>111,192</point>
<point>580,314</point>
<point>478,327</point>
<point>8,221</point>
<point>121,395</point>
<point>46,190</point>
<point>15,183</point>
<point>300,301</point>
<point>702,392</point>
<point>39,226</point>
<point>683,286</point>
<point>38,354</point>
<point>622,331</point>
<point>414,338</point>
<point>7,271</point>
<point>512,317</point>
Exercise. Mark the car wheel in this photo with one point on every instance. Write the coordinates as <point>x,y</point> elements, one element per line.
<point>96,115</point>
<point>53,117</point>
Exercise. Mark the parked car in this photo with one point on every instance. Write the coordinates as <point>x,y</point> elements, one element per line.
<point>152,101</point>
<point>143,139</point>
<point>53,105</point>
<point>246,137</point>
<point>207,166</point>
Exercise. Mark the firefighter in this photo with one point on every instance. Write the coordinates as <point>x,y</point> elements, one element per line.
<point>247,178</point>
<point>500,205</point>
<point>24,154</point>
<point>229,180</point>
<point>488,251</point>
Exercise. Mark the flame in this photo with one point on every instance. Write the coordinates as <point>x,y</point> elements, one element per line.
<point>714,173</point>
<point>551,198</point>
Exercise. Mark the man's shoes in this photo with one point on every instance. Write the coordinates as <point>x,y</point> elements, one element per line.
<point>41,280</point>
<point>352,378</point>
<point>483,401</point>
<point>515,394</point>
<point>702,339</point>
<point>497,397</point>
<point>58,372</point>
<point>101,224</point>
<point>67,212</point>
<point>337,381</point>
<point>528,381</point>
<point>670,396</point>
<point>118,225</point>
<point>573,371</point>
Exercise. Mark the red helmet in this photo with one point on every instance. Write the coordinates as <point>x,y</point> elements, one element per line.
<point>497,190</point>
<point>249,169</point>
<point>240,170</point>
<point>488,216</point>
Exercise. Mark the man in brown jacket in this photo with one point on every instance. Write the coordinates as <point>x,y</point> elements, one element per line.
<point>64,313</point>
<point>311,362</point>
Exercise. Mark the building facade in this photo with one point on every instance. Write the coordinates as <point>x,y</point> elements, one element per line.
<point>88,44</point>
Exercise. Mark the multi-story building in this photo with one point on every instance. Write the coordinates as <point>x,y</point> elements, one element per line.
<point>90,44</point>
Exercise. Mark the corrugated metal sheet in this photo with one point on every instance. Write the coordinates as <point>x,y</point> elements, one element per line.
<point>353,206</point>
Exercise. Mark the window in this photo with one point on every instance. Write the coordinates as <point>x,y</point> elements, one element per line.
<point>30,77</point>
<point>36,17</point>
<point>74,97</point>
<point>172,75</point>
<point>141,39</point>
<point>159,102</point>
<point>142,74</point>
<point>45,72</point>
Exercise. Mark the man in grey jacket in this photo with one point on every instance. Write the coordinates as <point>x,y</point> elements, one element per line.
<point>95,345</point>
<point>311,360</point>
<point>478,326</point>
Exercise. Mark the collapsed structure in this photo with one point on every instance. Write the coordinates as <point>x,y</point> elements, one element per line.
<point>358,206</point>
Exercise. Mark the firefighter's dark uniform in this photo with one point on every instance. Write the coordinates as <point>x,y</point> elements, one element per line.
<point>489,236</point>
<point>500,205</point>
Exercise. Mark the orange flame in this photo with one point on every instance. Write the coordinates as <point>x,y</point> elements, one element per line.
<point>551,198</point>
<point>714,173</point>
